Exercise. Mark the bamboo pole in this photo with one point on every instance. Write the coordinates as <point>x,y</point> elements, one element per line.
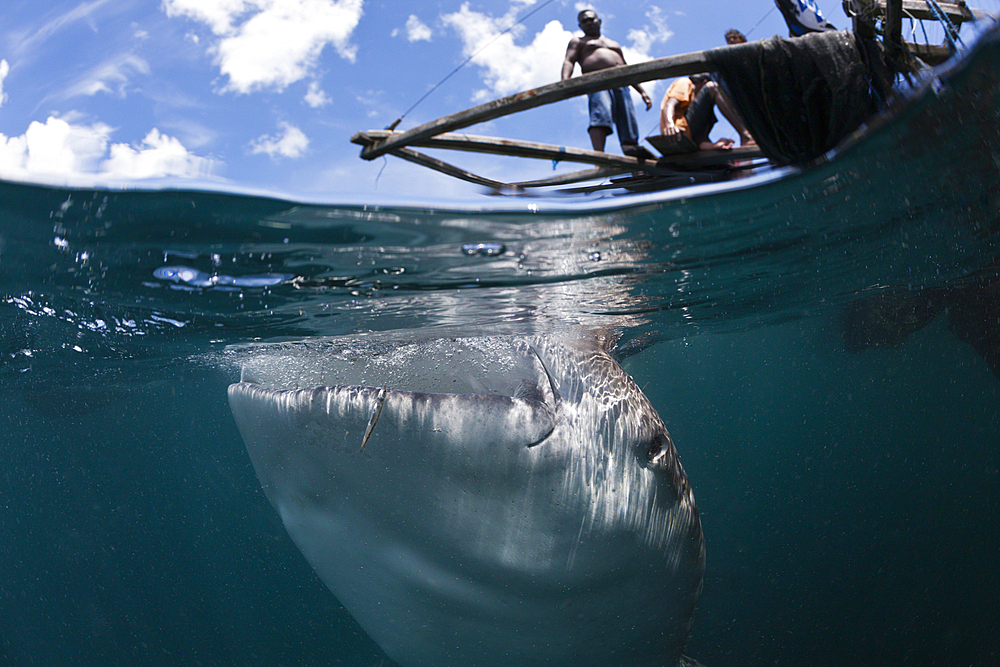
<point>572,177</point>
<point>411,155</point>
<point>509,147</point>
<point>609,164</point>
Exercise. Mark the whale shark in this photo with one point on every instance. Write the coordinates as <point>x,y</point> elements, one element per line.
<point>480,501</point>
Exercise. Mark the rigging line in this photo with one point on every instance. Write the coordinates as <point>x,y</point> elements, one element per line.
<point>950,31</point>
<point>379,175</point>
<point>747,34</point>
<point>466,61</point>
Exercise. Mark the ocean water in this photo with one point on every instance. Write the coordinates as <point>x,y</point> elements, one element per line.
<point>824,346</point>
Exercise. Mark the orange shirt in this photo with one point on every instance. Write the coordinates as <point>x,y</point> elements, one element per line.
<point>681,90</point>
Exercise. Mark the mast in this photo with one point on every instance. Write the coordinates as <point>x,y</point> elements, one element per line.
<point>894,34</point>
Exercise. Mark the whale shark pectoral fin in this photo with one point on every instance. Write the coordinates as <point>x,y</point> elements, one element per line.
<point>549,394</point>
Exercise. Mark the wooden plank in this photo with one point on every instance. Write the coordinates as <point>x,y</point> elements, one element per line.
<point>930,53</point>
<point>713,158</point>
<point>628,183</point>
<point>626,75</point>
<point>512,148</point>
<point>957,12</point>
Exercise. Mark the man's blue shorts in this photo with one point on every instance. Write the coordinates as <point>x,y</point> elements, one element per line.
<point>615,106</point>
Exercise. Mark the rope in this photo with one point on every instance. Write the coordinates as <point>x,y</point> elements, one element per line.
<point>465,62</point>
<point>950,31</point>
<point>747,33</point>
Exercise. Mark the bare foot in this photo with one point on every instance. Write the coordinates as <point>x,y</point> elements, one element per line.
<point>720,145</point>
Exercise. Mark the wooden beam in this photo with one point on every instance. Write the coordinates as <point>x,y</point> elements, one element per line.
<point>712,158</point>
<point>510,147</point>
<point>615,77</point>
<point>930,53</point>
<point>957,12</point>
<point>609,165</point>
<point>572,177</point>
<point>411,155</point>
<point>563,179</point>
<point>892,27</point>
<point>862,22</point>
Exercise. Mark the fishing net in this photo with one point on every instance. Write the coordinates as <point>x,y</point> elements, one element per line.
<point>799,97</point>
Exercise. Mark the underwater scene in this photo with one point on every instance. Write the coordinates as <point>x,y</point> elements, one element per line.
<point>822,346</point>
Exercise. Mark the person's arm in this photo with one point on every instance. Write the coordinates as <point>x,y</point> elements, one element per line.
<point>615,46</point>
<point>667,109</point>
<point>572,55</point>
<point>645,98</point>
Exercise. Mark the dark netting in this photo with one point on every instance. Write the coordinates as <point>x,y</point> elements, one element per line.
<point>799,97</point>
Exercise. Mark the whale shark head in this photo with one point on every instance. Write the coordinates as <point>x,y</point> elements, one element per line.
<point>517,500</point>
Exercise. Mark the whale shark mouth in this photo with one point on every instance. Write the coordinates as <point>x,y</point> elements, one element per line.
<point>456,494</point>
<point>501,394</point>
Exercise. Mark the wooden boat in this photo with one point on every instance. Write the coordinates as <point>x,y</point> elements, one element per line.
<point>874,21</point>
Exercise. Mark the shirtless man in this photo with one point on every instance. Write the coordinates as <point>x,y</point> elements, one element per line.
<point>595,52</point>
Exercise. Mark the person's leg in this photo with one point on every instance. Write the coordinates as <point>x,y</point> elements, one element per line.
<point>598,137</point>
<point>700,115</point>
<point>623,112</point>
<point>724,104</point>
<point>599,106</point>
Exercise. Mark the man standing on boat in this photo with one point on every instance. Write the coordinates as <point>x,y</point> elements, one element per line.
<point>596,52</point>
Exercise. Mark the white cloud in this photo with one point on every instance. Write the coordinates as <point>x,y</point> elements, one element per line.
<point>111,77</point>
<point>417,30</point>
<point>272,43</point>
<point>315,97</point>
<point>67,152</point>
<point>28,43</point>
<point>157,156</point>
<point>217,14</point>
<point>291,142</point>
<point>509,67</point>
<point>644,38</point>
<point>4,71</point>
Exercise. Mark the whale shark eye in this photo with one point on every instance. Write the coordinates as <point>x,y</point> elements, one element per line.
<point>654,448</point>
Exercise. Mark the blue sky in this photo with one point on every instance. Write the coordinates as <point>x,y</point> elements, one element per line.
<point>265,94</point>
